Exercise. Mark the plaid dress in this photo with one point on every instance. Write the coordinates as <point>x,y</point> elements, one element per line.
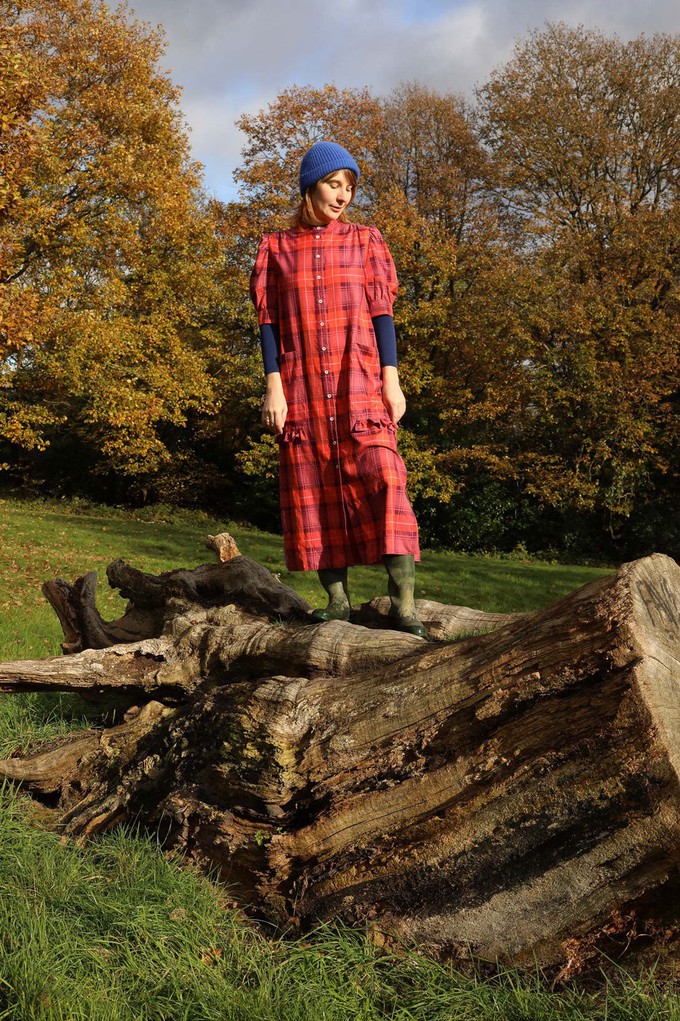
<point>342,482</point>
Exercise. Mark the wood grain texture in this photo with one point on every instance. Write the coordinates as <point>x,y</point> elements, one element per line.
<point>508,793</point>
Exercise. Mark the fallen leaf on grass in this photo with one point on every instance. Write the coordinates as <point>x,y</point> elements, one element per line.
<point>211,956</point>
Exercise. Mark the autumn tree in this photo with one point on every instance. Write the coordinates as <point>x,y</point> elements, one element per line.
<point>585,138</point>
<point>461,340</point>
<point>534,237</point>
<point>109,262</point>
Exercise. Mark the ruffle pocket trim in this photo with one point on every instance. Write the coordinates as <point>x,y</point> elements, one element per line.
<point>291,434</point>
<point>371,422</point>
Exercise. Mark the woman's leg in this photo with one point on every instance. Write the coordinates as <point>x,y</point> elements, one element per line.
<point>334,580</point>
<point>401,579</point>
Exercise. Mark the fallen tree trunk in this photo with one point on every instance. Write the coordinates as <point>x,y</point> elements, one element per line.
<point>514,793</point>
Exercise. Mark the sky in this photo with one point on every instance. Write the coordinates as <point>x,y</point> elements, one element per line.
<point>235,56</point>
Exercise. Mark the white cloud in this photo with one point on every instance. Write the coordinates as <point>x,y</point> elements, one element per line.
<point>234,57</point>
<point>215,140</point>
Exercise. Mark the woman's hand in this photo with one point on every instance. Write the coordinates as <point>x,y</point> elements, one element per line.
<point>274,407</point>
<point>392,395</point>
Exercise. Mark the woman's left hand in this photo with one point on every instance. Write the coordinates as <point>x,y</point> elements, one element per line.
<point>392,395</point>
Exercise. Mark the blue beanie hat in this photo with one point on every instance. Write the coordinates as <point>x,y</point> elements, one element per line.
<point>323,158</point>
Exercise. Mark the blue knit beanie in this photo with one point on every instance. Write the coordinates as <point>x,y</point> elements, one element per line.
<point>323,158</point>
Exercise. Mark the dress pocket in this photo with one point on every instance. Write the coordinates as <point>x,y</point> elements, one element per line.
<point>291,434</point>
<point>370,420</point>
<point>367,348</point>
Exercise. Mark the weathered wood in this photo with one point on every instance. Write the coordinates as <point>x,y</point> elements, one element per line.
<point>83,625</point>
<point>153,599</point>
<point>443,622</point>
<point>123,669</point>
<point>46,772</point>
<point>509,793</point>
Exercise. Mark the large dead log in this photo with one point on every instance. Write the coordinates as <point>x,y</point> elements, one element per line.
<point>514,793</point>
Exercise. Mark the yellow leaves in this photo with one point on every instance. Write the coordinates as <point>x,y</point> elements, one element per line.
<point>107,250</point>
<point>582,128</point>
<point>25,425</point>
<point>259,459</point>
<point>537,318</point>
<point>106,136</point>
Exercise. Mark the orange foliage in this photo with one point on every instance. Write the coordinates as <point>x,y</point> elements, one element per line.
<point>107,256</point>
<point>535,237</point>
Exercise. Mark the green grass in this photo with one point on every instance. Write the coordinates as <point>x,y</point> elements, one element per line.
<point>48,539</point>
<point>119,931</point>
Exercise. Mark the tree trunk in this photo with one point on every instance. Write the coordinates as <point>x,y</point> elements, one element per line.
<point>514,793</point>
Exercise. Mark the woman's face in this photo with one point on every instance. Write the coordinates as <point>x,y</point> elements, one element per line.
<point>332,196</point>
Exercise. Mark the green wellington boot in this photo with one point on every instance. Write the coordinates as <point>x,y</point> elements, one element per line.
<point>401,579</point>
<point>334,580</point>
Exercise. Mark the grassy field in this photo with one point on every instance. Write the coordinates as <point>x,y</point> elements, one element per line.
<point>120,931</point>
<point>42,540</point>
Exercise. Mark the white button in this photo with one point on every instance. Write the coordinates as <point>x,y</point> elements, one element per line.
<point>318,277</point>
<point>325,372</point>
<point>322,324</point>
<point>331,419</point>
<point>335,443</point>
<point>328,396</point>
<point>318,256</point>
<point>323,348</point>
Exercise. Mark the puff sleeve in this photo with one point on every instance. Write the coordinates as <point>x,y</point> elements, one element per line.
<point>263,286</point>
<point>380,276</point>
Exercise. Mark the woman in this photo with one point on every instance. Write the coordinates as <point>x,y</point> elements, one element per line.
<point>323,290</point>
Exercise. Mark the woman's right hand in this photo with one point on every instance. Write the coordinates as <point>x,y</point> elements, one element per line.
<point>274,407</point>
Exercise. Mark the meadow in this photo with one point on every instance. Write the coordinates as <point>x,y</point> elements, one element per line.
<point>120,930</point>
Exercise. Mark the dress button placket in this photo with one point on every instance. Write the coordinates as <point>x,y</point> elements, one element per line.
<point>319,266</point>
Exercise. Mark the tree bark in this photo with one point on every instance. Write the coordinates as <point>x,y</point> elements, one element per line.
<point>514,793</point>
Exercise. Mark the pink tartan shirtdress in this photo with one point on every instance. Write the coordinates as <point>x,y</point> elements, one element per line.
<point>342,482</point>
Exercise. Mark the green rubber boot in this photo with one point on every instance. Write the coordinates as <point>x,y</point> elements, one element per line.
<point>334,580</point>
<point>401,579</point>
